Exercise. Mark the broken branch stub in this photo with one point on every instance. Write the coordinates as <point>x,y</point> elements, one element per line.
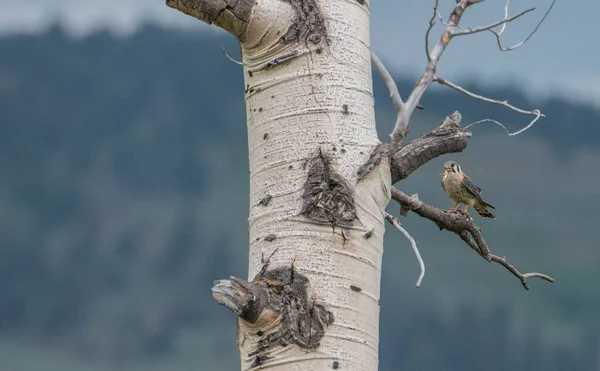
<point>448,137</point>
<point>276,309</point>
<point>232,16</point>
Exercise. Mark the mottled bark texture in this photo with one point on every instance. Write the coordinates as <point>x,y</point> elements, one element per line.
<point>230,15</point>
<point>448,137</point>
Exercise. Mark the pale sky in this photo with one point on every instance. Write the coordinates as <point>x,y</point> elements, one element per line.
<point>560,59</point>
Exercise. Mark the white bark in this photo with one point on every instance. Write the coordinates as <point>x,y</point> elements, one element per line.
<point>320,180</point>
<point>320,100</point>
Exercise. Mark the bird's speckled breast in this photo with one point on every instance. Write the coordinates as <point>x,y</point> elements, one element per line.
<point>455,189</point>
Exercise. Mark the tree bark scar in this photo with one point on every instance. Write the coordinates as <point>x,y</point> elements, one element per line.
<point>355,288</point>
<point>327,197</point>
<point>277,294</point>
<point>308,24</point>
<point>265,200</point>
<point>377,154</point>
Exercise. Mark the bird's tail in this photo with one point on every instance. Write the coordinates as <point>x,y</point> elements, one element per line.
<point>482,209</point>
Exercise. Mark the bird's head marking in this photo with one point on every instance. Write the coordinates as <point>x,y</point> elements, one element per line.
<point>452,167</point>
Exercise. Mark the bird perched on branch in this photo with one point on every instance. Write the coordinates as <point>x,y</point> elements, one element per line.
<point>461,189</point>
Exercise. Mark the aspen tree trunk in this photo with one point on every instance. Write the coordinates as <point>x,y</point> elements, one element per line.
<point>320,179</point>
<point>318,185</point>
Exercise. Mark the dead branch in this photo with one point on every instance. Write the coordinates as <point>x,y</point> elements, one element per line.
<point>464,227</point>
<point>396,223</point>
<point>509,48</point>
<point>453,28</point>
<point>431,23</point>
<point>233,17</point>
<point>470,31</point>
<point>426,79</point>
<point>448,137</point>
<point>504,103</point>
<point>391,85</point>
<point>504,127</point>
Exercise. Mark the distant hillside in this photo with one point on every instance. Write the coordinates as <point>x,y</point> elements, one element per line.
<point>123,195</point>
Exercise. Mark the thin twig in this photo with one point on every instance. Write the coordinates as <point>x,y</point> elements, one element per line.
<point>497,34</point>
<point>464,227</point>
<point>505,16</point>
<point>470,31</point>
<point>396,223</point>
<point>431,23</point>
<point>504,103</point>
<point>231,59</point>
<point>499,124</point>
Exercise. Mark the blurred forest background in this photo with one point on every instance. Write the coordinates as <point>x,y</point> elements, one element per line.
<point>124,194</point>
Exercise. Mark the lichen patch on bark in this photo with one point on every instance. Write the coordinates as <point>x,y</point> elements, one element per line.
<point>327,197</point>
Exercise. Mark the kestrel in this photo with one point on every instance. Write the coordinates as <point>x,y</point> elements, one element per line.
<point>461,189</point>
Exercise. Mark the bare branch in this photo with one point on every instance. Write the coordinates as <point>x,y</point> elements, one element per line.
<point>505,16</point>
<point>396,223</point>
<point>431,23</point>
<point>497,34</point>
<point>504,103</point>
<point>464,227</point>
<point>499,124</point>
<point>470,31</point>
<point>412,102</point>
<point>391,85</point>
<point>448,137</point>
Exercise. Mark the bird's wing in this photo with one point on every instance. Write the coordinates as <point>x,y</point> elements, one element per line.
<point>472,186</point>
<point>474,190</point>
<point>443,186</point>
